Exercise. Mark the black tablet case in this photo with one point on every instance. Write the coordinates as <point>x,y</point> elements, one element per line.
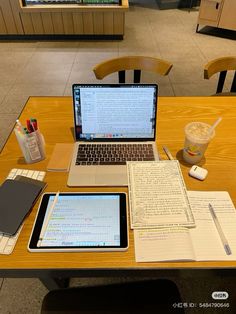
<point>16,200</point>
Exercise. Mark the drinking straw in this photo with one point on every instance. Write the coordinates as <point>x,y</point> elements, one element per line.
<point>214,125</point>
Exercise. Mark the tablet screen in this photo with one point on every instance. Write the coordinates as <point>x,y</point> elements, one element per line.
<point>81,221</point>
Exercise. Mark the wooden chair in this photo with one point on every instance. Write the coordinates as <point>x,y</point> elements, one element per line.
<point>221,65</point>
<point>141,297</point>
<point>136,63</point>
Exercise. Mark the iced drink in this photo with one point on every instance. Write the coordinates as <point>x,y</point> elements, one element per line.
<point>197,138</point>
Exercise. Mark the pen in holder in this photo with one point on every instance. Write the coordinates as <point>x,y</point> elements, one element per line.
<point>32,144</point>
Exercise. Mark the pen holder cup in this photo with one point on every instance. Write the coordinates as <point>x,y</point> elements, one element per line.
<point>32,145</point>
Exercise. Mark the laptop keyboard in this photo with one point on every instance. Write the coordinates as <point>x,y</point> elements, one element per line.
<point>7,243</point>
<point>113,154</point>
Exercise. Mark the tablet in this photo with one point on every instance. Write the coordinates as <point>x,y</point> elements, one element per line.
<point>70,222</point>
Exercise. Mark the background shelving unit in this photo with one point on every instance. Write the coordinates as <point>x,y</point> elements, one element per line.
<point>218,13</point>
<point>107,21</point>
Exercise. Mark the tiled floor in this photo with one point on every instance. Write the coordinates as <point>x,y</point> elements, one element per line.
<point>50,68</point>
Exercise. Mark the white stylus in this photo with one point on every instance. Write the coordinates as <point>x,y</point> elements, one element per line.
<point>46,221</point>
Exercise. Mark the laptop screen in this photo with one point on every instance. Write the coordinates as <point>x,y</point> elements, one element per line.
<point>115,112</point>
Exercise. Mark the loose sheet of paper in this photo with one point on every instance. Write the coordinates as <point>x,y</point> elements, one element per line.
<point>158,195</point>
<point>205,237</point>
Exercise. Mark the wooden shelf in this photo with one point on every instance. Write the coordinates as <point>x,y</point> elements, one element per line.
<point>74,7</point>
<point>15,19</point>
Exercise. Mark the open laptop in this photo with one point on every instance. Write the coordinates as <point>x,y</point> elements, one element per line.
<point>113,123</point>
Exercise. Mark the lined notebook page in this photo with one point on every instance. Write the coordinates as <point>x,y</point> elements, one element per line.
<point>158,195</point>
<point>205,238</point>
<point>202,243</point>
<point>167,244</point>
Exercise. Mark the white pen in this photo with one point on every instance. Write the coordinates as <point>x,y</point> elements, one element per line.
<point>220,231</point>
<point>45,223</point>
<point>20,127</point>
<point>168,153</point>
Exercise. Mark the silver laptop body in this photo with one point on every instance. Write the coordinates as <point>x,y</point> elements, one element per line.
<point>107,115</point>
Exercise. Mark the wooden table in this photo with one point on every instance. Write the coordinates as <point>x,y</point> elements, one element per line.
<point>54,115</point>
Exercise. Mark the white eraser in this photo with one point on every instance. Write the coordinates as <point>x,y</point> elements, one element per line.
<point>198,172</point>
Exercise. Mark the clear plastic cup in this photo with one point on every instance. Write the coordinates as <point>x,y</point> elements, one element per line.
<point>32,145</point>
<point>197,138</point>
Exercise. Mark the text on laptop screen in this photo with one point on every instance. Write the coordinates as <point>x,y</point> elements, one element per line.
<point>115,111</point>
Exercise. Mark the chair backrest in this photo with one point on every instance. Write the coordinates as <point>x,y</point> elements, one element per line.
<point>136,63</point>
<point>221,65</point>
<point>139,297</point>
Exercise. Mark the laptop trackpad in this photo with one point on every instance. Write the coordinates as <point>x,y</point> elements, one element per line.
<point>110,175</point>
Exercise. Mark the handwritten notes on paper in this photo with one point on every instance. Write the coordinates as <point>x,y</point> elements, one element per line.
<point>197,244</point>
<point>205,237</point>
<point>163,244</point>
<point>158,195</point>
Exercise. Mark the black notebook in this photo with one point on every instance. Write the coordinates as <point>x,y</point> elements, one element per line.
<point>17,198</point>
